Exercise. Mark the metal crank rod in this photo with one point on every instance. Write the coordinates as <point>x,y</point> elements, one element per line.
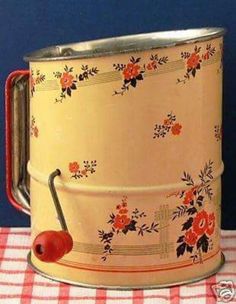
<point>57,204</point>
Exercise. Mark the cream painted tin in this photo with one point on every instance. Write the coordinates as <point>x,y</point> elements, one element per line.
<point>134,125</point>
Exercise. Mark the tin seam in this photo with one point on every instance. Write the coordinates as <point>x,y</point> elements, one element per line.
<point>67,186</point>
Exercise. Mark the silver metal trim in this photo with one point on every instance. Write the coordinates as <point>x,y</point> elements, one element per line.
<point>214,271</point>
<point>124,44</point>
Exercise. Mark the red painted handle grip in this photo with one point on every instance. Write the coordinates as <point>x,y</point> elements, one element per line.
<point>51,246</point>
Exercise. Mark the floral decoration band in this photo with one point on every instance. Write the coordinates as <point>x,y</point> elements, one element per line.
<point>199,225</point>
<point>123,222</point>
<point>131,72</point>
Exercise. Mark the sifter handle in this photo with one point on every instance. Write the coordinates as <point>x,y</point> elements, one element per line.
<point>17,139</point>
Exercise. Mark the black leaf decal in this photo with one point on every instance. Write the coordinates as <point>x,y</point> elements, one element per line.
<point>73,86</point>
<point>139,77</point>
<point>180,239</point>
<point>189,248</point>
<point>130,227</point>
<point>180,211</point>
<point>68,91</point>
<point>191,211</point>
<point>133,82</point>
<point>187,179</point>
<point>187,224</point>
<point>181,249</point>
<point>203,243</point>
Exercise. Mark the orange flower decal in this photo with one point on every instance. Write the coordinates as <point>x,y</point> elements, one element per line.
<point>35,79</point>
<point>211,224</point>
<point>121,221</point>
<point>123,211</point>
<point>84,172</point>
<point>194,60</point>
<point>34,131</point>
<point>74,167</point>
<point>188,198</point>
<point>78,171</point>
<point>169,124</point>
<point>218,132</point>
<point>69,82</point>
<point>133,71</point>
<point>66,80</point>
<point>176,129</point>
<point>190,237</point>
<point>153,65</point>
<point>200,223</point>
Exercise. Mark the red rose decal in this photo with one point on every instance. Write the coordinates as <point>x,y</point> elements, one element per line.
<point>200,223</point>
<point>169,125</point>
<point>190,237</point>
<point>36,132</point>
<point>211,224</point>
<point>66,80</point>
<point>193,61</point>
<point>134,70</point>
<point>206,56</point>
<point>188,197</point>
<point>74,167</point>
<point>123,211</point>
<point>121,221</point>
<point>149,66</point>
<point>167,122</point>
<point>176,129</point>
<point>131,71</point>
<point>84,172</point>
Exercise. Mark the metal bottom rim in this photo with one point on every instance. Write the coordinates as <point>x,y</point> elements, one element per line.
<point>158,286</point>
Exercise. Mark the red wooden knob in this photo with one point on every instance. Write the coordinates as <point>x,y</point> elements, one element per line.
<point>51,246</point>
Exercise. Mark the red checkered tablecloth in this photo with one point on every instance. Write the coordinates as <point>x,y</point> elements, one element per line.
<point>19,284</point>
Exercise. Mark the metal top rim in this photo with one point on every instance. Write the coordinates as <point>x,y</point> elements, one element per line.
<point>124,44</point>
